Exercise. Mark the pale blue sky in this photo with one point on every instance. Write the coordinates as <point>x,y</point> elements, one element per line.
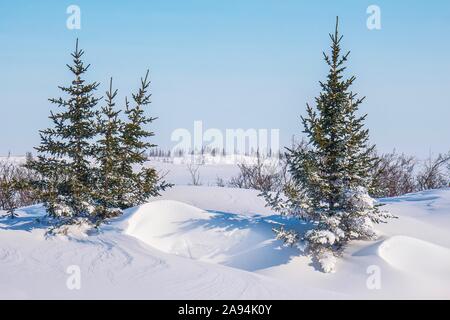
<point>233,64</point>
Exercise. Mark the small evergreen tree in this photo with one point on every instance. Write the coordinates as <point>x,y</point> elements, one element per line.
<point>331,175</point>
<point>140,182</point>
<point>109,178</point>
<point>63,163</point>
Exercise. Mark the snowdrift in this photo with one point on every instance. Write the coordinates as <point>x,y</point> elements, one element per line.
<point>244,242</point>
<point>412,255</point>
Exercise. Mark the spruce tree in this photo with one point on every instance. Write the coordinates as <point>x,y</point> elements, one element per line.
<point>108,155</point>
<point>140,182</point>
<point>63,163</point>
<point>331,175</point>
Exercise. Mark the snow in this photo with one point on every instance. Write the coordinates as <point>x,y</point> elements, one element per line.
<point>114,264</point>
<point>239,241</point>
<point>328,262</point>
<point>178,173</point>
<point>400,252</point>
<point>191,232</point>
<point>238,201</point>
<point>206,242</point>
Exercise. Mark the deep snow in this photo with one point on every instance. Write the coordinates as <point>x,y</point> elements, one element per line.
<point>216,243</point>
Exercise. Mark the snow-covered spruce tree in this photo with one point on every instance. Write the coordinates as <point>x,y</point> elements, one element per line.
<point>108,155</point>
<point>63,163</point>
<point>140,182</point>
<point>330,176</point>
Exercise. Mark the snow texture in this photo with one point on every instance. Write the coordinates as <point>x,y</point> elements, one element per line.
<point>217,243</point>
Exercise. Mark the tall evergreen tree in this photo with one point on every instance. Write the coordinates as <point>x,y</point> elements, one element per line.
<point>331,175</point>
<point>108,155</point>
<point>141,182</point>
<point>63,162</point>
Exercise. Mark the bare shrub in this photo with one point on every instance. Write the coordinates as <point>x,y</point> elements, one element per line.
<point>194,171</point>
<point>220,182</point>
<point>7,187</point>
<point>263,175</point>
<point>434,173</point>
<point>393,175</point>
<point>15,186</point>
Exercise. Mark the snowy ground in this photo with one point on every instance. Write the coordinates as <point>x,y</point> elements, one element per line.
<point>209,242</point>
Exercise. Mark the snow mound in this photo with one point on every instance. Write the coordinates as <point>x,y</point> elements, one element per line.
<point>164,225</point>
<point>244,242</point>
<point>412,255</point>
